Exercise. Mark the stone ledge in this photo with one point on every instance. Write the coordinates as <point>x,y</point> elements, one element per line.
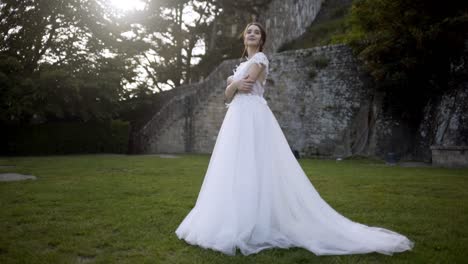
<point>441,147</point>
<point>450,156</point>
<point>6,177</point>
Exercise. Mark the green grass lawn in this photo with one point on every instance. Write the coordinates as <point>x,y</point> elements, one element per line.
<point>117,208</point>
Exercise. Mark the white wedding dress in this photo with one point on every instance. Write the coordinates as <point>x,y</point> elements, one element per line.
<point>255,194</point>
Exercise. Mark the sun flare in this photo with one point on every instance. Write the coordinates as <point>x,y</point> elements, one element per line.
<point>127,5</point>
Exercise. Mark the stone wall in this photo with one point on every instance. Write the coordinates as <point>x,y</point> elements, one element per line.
<point>325,105</point>
<point>445,122</point>
<point>189,118</point>
<point>450,156</point>
<point>286,20</point>
<point>319,96</point>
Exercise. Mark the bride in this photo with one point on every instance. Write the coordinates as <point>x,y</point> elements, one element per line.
<point>255,194</point>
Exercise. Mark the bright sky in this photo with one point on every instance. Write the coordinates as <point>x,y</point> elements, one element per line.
<point>128,5</point>
<point>135,5</point>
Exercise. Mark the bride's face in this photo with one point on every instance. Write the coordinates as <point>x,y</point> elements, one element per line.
<point>252,36</point>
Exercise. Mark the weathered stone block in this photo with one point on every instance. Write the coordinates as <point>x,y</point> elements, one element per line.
<point>450,156</point>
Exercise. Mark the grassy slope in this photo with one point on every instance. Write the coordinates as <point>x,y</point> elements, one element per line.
<point>111,208</point>
<point>328,27</point>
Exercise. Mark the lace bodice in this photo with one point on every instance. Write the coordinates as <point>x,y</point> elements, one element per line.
<point>242,70</point>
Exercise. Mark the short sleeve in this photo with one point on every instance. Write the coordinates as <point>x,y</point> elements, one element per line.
<point>261,58</point>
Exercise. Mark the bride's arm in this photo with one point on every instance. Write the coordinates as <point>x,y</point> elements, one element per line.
<point>245,84</point>
<point>258,69</point>
<point>255,71</point>
<point>231,89</point>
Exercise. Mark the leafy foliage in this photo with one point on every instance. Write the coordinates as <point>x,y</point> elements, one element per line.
<point>79,60</point>
<point>65,138</point>
<point>409,47</point>
<point>55,62</point>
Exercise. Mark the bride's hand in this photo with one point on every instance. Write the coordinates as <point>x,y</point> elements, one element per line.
<point>245,85</point>
<point>230,79</point>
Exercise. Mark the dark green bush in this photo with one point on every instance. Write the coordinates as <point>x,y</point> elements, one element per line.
<point>65,138</point>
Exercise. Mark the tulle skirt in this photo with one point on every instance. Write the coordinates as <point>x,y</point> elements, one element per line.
<point>255,196</point>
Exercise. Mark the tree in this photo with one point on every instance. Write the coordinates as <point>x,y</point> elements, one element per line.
<point>409,47</point>
<point>61,61</point>
<point>165,36</point>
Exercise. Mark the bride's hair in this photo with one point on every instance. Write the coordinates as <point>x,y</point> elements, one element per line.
<point>262,38</point>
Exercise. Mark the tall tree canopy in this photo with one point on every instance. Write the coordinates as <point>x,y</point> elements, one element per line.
<point>410,47</point>
<point>59,60</point>
<point>167,33</point>
<point>79,59</point>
